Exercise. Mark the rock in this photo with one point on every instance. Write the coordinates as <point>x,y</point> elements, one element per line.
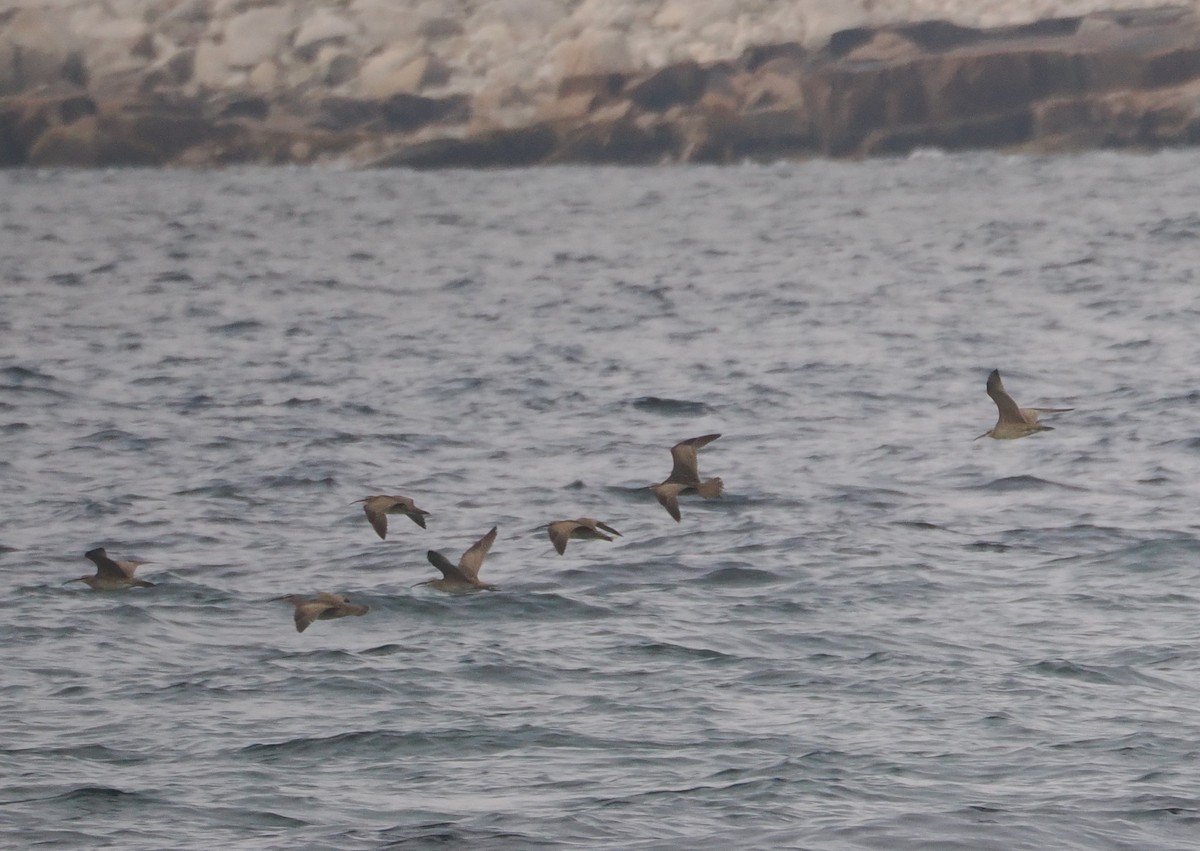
<point>264,76</point>
<point>335,66</point>
<point>438,28</point>
<point>597,52</point>
<point>498,148</point>
<point>767,88</point>
<point>621,80</point>
<point>38,50</point>
<point>998,130</point>
<point>676,84</point>
<point>397,70</point>
<point>624,140</point>
<point>21,123</point>
<point>406,113</point>
<point>534,15</point>
<point>256,35</point>
<point>885,47</point>
<point>786,57</point>
<point>323,27</point>
<point>760,134</point>
<point>342,113</point>
<point>67,145</point>
<point>253,108</point>
<point>209,66</point>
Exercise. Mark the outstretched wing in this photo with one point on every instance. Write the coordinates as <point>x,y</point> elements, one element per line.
<point>448,568</point>
<point>105,566</point>
<point>668,496</point>
<point>560,533</point>
<point>601,524</point>
<point>378,519</point>
<point>472,559</point>
<point>307,612</point>
<point>686,469</point>
<point>1009,410</point>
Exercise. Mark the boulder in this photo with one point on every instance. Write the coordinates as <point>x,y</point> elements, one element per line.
<point>342,113</point>
<point>256,35</point>
<point>592,53</point>
<point>405,113</point>
<point>335,66</point>
<point>66,145</point>
<point>36,50</point>
<point>497,148</point>
<point>323,27</point>
<point>681,83</point>
<point>397,70</point>
<point>1004,129</point>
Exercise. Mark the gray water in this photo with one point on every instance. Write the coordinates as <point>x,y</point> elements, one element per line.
<point>885,635</point>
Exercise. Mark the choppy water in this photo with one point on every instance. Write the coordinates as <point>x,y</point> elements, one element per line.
<point>886,635</point>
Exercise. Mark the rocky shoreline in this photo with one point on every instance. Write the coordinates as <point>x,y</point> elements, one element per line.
<point>1121,79</point>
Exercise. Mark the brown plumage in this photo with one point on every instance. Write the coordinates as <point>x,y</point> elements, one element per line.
<point>325,607</point>
<point>377,508</point>
<point>1014,421</point>
<point>584,528</point>
<point>112,575</point>
<point>685,476</point>
<point>465,575</point>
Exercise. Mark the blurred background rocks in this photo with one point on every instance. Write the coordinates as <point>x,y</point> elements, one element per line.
<point>428,83</point>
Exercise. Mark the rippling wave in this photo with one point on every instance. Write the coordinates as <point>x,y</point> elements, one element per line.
<point>886,634</point>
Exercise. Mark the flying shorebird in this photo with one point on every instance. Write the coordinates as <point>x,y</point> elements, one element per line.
<point>685,476</point>
<point>1014,421</point>
<point>112,575</point>
<point>377,508</point>
<point>464,576</point>
<point>583,528</point>
<point>325,607</point>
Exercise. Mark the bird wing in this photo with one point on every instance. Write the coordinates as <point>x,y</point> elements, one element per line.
<point>128,566</point>
<point>668,496</point>
<point>416,515</point>
<point>686,469</point>
<point>448,568</point>
<point>105,566</point>
<point>1009,411</point>
<point>608,528</point>
<point>472,559</point>
<point>560,533</point>
<point>378,518</point>
<point>307,612</point>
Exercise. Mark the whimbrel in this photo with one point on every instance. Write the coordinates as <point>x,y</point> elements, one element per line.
<point>1014,421</point>
<point>377,508</point>
<point>324,608</point>
<point>584,528</point>
<point>112,575</point>
<point>464,576</point>
<point>685,476</point>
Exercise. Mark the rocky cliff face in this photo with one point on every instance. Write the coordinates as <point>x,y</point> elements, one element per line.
<point>506,82</point>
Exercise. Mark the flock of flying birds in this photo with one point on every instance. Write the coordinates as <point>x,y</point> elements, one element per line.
<point>112,575</point>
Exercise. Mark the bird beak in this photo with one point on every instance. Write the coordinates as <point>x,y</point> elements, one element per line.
<point>69,581</point>
<point>419,584</point>
<point>985,434</point>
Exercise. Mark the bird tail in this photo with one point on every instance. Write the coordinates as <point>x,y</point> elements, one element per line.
<point>711,488</point>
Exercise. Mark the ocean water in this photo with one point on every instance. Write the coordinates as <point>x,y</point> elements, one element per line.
<point>886,634</point>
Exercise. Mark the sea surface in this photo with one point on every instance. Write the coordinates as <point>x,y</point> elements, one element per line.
<point>886,634</point>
